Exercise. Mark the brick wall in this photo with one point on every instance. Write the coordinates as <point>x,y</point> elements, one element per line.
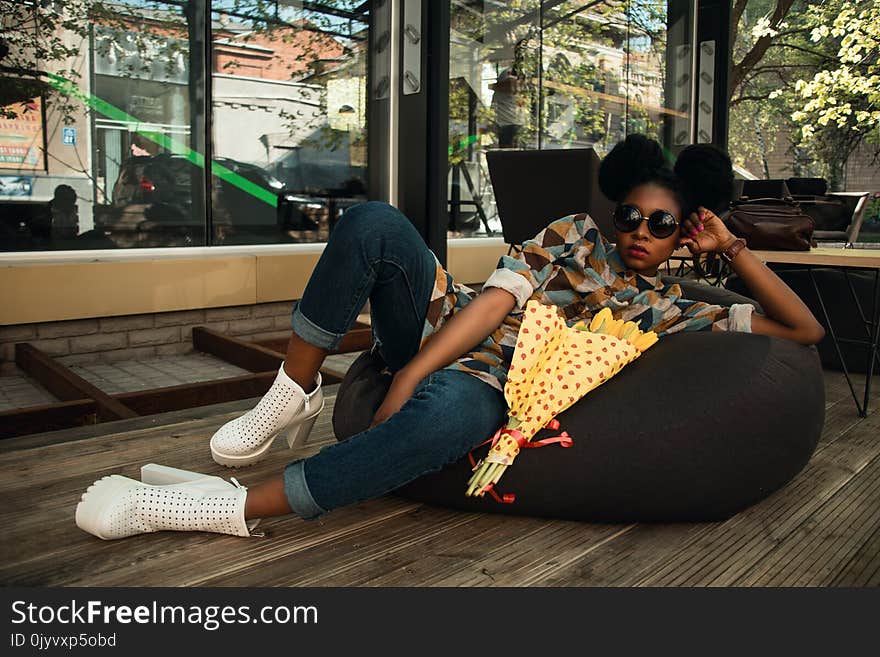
<point>138,337</point>
<point>863,171</point>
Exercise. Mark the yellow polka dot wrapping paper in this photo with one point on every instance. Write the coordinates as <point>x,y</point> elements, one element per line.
<point>554,366</point>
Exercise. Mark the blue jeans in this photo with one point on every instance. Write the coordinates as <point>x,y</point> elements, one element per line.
<point>375,252</point>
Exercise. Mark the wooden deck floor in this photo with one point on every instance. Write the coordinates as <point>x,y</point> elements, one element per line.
<point>821,529</point>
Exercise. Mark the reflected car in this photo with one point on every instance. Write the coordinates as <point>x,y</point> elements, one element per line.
<point>154,194</point>
<point>152,205</point>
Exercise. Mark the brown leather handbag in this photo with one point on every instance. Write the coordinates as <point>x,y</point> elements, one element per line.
<point>773,224</point>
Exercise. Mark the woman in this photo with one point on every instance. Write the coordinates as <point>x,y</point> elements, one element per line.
<point>448,347</point>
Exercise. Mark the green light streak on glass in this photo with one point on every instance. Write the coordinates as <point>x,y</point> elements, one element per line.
<point>462,144</point>
<point>68,88</point>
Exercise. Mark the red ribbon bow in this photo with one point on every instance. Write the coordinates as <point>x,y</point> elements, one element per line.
<point>563,439</point>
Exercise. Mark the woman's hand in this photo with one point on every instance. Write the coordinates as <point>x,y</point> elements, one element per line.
<point>402,388</point>
<point>786,314</point>
<point>704,232</point>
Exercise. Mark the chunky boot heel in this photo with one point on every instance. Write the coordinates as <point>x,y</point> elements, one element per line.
<point>297,436</point>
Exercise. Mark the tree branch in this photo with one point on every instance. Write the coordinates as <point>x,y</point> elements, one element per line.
<point>736,14</point>
<point>761,93</point>
<point>823,55</point>
<point>774,67</point>
<point>800,30</point>
<point>752,76</point>
<point>739,71</point>
<point>741,99</point>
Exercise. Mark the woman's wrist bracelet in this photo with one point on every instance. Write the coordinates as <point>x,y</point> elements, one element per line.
<point>732,249</point>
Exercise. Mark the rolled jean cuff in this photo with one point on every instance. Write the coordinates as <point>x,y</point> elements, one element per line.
<point>311,332</point>
<point>297,491</point>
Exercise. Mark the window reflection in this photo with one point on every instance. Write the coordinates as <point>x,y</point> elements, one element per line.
<point>112,153</point>
<point>554,74</point>
<point>118,126</point>
<point>289,110</point>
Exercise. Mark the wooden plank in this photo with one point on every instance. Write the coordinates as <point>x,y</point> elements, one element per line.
<point>330,376</point>
<point>41,542</point>
<point>864,568</point>
<point>839,419</point>
<point>817,551</point>
<point>64,415</point>
<point>182,445</point>
<point>635,556</point>
<point>357,339</point>
<point>727,551</point>
<point>189,395</point>
<point>276,346</point>
<point>836,388</point>
<point>164,557</point>
<point>477,549</point>
<point>254,356</point>
<point>47,417</point>
<point>627,558</point>
<point>354,557</point>
<point>825,256</point>
<point>141,402</point>
<point>66,385</point>
<point>553,547</point>
<point>70,434</point>
<point>668,555</point>
<point>168,558</point>
<point>246,355</point>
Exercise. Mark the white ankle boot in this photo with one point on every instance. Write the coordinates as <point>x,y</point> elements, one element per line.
<point>116,507</point>
<point>285,407</point>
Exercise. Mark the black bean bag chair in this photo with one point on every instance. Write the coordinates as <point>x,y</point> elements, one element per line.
<point>702,426</point>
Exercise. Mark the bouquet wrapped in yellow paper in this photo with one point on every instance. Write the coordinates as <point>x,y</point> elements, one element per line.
<point>554,366</point>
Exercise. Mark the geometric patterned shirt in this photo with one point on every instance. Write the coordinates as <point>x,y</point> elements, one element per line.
<point>571,266</point>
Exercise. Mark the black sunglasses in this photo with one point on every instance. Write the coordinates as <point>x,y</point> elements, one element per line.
<point>661,223</point>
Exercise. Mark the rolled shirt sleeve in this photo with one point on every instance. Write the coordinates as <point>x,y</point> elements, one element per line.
<point>514,283</point>
<point>525,272</point>
<point>739,318</point>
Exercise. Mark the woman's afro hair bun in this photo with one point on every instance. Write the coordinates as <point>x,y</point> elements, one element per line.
<point>628,164</point>
<point>702,175</point>
<point>706,174</point>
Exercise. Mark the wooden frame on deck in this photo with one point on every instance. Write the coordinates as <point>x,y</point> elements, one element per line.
<point>82,403</point>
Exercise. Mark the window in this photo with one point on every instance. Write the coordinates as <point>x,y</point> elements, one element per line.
<point>104,143</point>
<point>554,74</point>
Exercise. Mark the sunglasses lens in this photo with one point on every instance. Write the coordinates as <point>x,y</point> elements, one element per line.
<point>662,224</point>
<point>627,218</point>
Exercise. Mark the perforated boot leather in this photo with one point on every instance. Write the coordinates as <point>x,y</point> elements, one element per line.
<point>286,407</point>
<point>116,507</point>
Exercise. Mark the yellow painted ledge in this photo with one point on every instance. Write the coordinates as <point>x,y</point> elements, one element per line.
<point>52,292</point>
<point>47,292</point>
<point>283,277</point>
